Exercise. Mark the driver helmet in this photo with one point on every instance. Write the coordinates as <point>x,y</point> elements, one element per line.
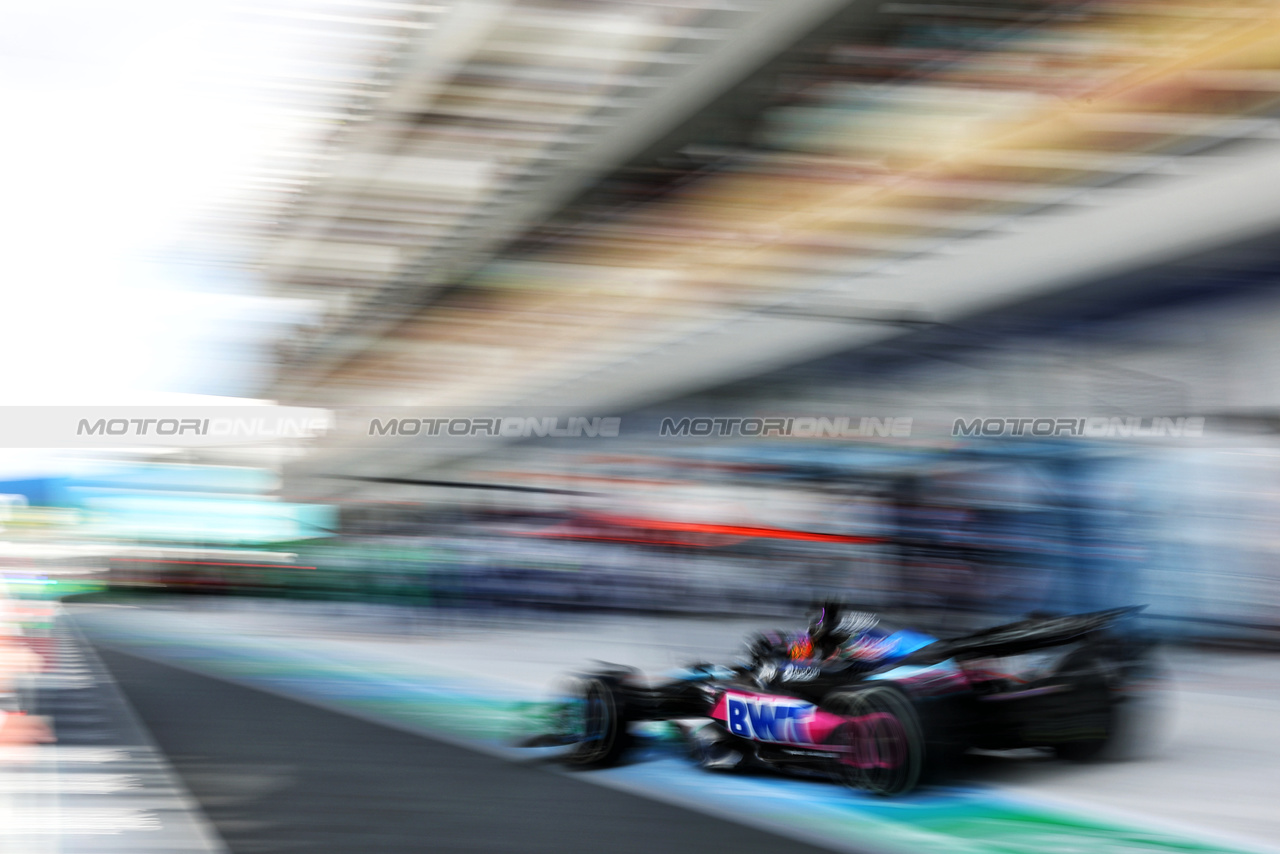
<point>801,649</point>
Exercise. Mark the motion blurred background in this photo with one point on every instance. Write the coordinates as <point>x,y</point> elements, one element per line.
<point>898,229</point>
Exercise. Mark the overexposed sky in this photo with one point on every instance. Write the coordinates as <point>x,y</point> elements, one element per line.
<point>121,125</point>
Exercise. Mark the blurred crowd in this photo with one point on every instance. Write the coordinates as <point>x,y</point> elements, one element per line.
<point>979,532</point>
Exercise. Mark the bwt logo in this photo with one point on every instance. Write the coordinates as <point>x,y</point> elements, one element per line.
<point>769,720</point>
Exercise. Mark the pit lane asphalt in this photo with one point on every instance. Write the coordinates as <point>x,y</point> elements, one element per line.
<point>275,775</point>
<point>1209,788</point>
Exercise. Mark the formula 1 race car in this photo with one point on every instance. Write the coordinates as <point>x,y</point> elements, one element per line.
<point>873,708</point>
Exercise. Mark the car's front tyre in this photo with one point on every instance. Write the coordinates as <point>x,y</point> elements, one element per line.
<point>596,723</point>
<point>881,743</point>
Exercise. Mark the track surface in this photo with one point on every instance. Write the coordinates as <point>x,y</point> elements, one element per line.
<point>103,787</point>
<point>275,775</point>
<point>469,681</point>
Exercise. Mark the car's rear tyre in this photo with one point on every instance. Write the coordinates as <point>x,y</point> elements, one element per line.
<point>882,744</point>
<point>597,724</point>
<point>1093,723</point>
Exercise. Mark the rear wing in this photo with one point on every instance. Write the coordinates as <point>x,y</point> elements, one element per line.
<point>1022,636</point>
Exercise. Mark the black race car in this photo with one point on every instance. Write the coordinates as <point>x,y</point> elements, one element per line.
<point>875,708</point>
